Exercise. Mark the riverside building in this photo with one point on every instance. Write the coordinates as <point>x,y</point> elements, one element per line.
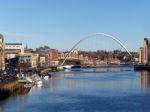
<point>2,53</point>
<point>141,55</point>
<point>13,49</point>
<point>144,52</point>
<point>28,60</point>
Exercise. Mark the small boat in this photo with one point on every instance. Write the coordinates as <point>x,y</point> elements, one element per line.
<point>67,66</point>
<point>38,81</point>
<point>46,77</point>
<point>142,67</point>
<point>76,66</point>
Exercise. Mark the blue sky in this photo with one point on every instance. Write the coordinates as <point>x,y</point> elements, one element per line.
<point>61,23</point>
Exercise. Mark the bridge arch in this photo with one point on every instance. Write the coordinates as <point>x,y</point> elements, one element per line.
<point>90,36</point>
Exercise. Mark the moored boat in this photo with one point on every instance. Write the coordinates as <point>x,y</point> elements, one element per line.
<point>141,67</point>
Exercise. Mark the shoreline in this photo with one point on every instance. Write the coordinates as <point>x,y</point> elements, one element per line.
<point>12,89</point>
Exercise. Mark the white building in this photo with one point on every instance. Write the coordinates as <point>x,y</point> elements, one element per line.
<point>13,49</point>
<point>2,53</point>
<point>28,59</point>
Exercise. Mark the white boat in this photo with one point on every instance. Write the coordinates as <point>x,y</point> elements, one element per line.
<point>38,81</point>
<point>39,86</point>
<point>46,77</point>
<point>67,66</point>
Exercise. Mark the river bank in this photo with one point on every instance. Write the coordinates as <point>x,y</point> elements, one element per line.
<point>12,89</point>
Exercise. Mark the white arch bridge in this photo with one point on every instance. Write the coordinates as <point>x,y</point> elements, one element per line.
<point>90,36</point>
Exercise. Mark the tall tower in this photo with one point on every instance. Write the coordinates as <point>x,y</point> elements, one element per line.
<point>141,55</point>
<point>145,50</point>
<point>2,53</point>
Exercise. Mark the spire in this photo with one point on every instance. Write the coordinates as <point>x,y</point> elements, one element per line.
<point>26,46</point>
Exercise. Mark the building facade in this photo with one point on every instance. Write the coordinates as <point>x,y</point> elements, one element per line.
<point>47,57</point>
<point>141,55</point>
<point>2,53</point>
<point>13,49</point>
<point>144,52</point>
<point>54,57</point>
<point>72,55</point>
<point>28,60</point>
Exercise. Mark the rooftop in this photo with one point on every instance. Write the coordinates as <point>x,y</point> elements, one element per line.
<point>13,43</point>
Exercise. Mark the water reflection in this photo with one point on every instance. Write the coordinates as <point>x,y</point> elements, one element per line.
<point>145,80</point>
<point>78,91</point>
<point>110,79</point>
<point>105,69</point>
<point>1,108</point>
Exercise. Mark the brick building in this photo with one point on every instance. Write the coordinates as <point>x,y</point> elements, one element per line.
<point>47,57</point>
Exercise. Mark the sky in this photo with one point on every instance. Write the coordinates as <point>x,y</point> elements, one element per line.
<point>61,23</point>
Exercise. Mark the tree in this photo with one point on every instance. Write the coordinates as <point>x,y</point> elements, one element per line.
<point>45,47</point>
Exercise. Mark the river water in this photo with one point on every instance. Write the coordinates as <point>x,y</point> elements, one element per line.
<point>88,90</point>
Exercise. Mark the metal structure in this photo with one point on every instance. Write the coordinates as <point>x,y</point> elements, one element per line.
<point>90,36</point>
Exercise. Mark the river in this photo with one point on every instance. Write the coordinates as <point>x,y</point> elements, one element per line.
<point>88,90</point>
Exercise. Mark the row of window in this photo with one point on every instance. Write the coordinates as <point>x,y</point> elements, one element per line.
<point>14,46</point>
<point>25,60</point>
